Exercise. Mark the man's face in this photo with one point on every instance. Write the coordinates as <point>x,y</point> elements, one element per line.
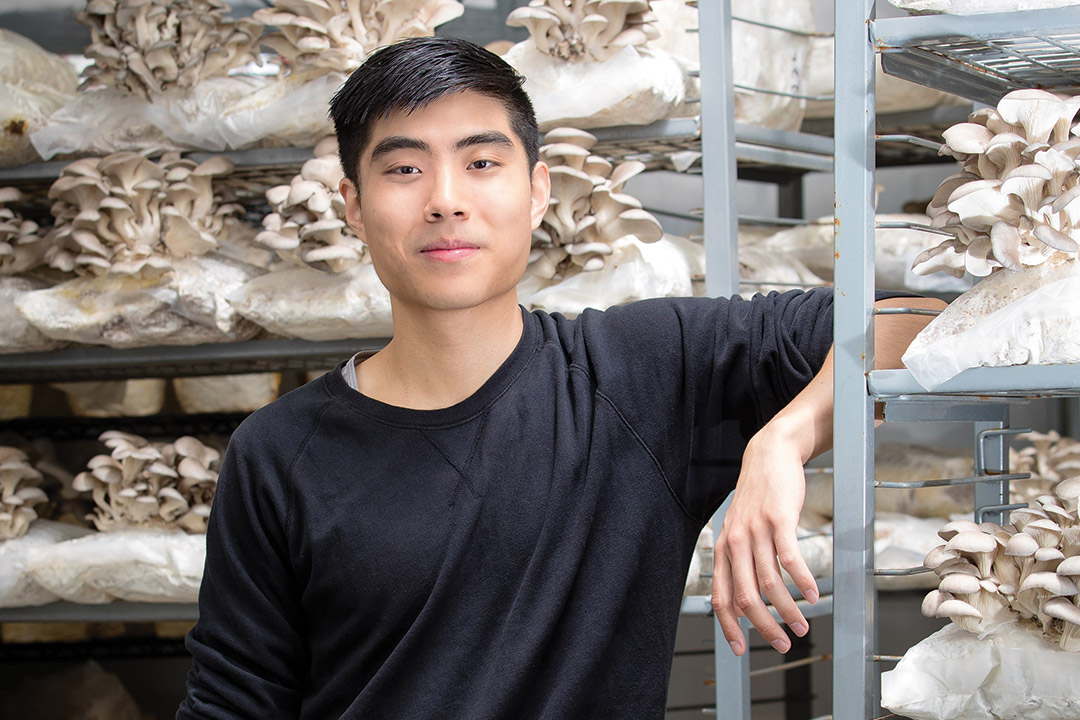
<point>446,205</point>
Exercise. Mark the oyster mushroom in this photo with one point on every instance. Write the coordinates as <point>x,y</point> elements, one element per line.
<point>307,225</point>
<point>337,35</point>
<point>19,493</point>
<point>149,48</point>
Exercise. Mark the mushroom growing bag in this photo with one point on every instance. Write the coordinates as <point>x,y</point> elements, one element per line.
<point>134,565</point>
<point>226,113</point>
<point>1008,674</point>
<point>1026,318</point>
<point>18,588</point>
<point>311,304</point>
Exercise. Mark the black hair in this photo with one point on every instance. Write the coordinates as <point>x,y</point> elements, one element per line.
<point>414,72</point>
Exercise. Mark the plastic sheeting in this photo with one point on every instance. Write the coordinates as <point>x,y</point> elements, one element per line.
<point>1010,673</point>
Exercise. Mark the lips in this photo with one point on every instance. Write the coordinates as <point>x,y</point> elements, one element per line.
<point>448,250</point>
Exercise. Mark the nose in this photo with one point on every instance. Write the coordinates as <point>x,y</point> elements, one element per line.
<point>448,198</point>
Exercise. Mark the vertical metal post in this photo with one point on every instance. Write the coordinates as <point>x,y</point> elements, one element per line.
<point>717,123</point>
<point>717,126</point>
<point>855,685</point>
<point>994,451</point>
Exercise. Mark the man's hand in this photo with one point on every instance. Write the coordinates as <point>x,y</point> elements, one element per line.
<point>758,538</point>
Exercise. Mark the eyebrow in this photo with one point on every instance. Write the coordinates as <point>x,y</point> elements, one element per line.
<point>401,142</point>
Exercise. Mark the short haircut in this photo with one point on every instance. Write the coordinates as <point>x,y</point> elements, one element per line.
<point>412,73</point>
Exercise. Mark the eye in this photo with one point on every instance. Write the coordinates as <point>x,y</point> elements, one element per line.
<point>483,164</point>
<point>404,170</point>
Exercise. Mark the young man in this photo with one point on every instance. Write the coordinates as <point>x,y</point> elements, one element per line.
<point>492,517</point>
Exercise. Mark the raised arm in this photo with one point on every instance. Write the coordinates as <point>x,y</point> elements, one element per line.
<point>759,532</point>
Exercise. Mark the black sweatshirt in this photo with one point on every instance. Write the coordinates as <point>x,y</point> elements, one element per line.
<point>519,555</point>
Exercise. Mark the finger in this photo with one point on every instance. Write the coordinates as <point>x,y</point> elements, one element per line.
<point>791,559</point>
<point>771,582</point>
<point>725,611</point>
<point>746,594</point>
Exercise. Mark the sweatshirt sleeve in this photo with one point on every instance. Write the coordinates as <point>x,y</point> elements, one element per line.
<point>697,377</point>
<point>248,654</point>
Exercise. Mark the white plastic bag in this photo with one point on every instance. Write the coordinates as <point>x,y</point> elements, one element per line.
<point>184,307</point>
<point>134,565</point>
<point>635,87</point>
<point>224,113</point>
<point>16,333</point>
<point>18,588</point>
<point>975,7</point>
<point>1008,318</point>
<point>315,305</point>
<point>634,271</point>
<point>1009,673</point>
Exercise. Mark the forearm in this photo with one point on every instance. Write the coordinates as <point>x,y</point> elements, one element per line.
<point>807,421</point>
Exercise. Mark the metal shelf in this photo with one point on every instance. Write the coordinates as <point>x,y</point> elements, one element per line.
<point>151,427</point>
<point>1020,381</point>
<point>253,356</point>
<point>106,612</point>
<point>982,57</point>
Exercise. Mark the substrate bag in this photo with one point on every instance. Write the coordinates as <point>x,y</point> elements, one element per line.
<point>18,588</point>
<point>134,565</point>
<point>1009,673</point>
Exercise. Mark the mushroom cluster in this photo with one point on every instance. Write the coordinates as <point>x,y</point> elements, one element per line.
<point>1025,571</point>
<point>339,34</point>
<point>150,485</point>
<point>126,214</point>
<point>1014,204</point>
<point>575,29</point>
<point>148,47</point>
<point>1049,459</point>
<point>20,249</point>
<point>589,210</point>
<point>307,226</point>
<point>19,493</point>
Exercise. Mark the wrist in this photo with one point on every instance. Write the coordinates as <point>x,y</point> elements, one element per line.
<point>787,432</point>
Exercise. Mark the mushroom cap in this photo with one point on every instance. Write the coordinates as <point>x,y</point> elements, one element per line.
<point>957,608</point>
<point>932,601</point>
<point>959,583</point>
<point>972,541</point>
<point>1070,566</point>
<point>1062,609</point>
<point>1050,582</point>
<point>1021,545</point>
<point>951,529</point>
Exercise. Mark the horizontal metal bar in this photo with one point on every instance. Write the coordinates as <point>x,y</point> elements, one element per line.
<point>782,158</point>
<point>785,139</point>
<point>948,482</point>
<point>105,612</point>
<point>981,513</point>
<point>910,140</point>
<point>953,409</point>
<point>778,221</point>
<point>792,31</point>
<point>998,382</point>
<point>915,30</point>
<point>783,667</point>
<point>103,363</point>
<point>901,572</point>
<point>887,658</point>
<point>906,311</point>
<point>913,226</point>
<point>783,93</point>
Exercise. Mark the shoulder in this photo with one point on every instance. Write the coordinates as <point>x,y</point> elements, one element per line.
<point>285,421</point>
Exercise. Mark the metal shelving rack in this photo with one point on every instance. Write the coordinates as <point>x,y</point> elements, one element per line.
<point>980,57</point>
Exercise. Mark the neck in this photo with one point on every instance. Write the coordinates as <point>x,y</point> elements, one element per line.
<point>438,359</point>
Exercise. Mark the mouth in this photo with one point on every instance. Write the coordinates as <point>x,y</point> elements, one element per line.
<point>448,250</point>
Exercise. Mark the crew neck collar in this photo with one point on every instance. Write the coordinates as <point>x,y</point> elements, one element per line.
<point>491,390</point>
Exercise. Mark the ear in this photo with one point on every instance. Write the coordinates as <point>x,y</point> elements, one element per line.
<point>353,216</point>
<point>541,193</point>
